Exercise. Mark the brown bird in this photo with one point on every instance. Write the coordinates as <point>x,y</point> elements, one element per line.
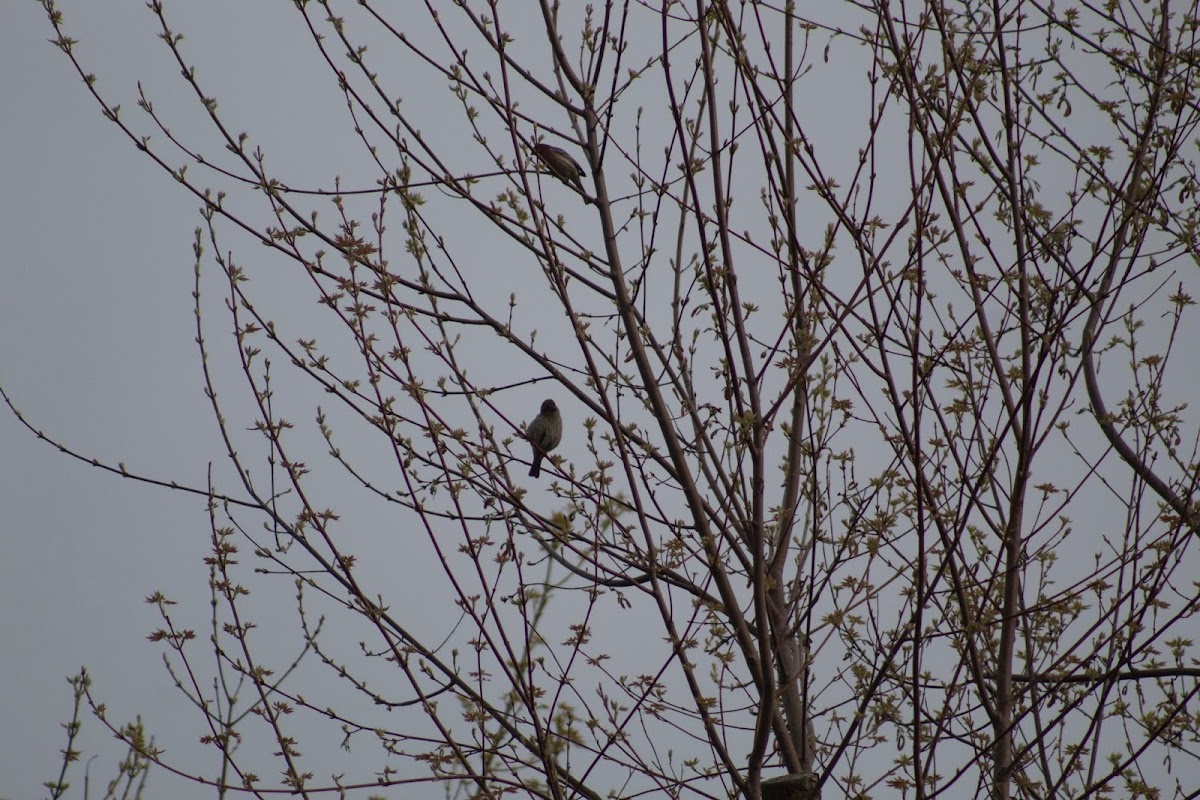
<point>544,433</point>
<point>562,166</point>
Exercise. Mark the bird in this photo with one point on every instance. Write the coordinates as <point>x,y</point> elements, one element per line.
<point>562,166</point>
<point>544,433</point>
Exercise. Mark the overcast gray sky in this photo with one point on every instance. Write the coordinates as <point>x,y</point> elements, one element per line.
<point>96,345</point>
<point>84,301</point>
<point>97,348</point>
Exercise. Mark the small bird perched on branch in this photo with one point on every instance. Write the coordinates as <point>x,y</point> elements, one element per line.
<point>562,166</point>
<point>544,433</point>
